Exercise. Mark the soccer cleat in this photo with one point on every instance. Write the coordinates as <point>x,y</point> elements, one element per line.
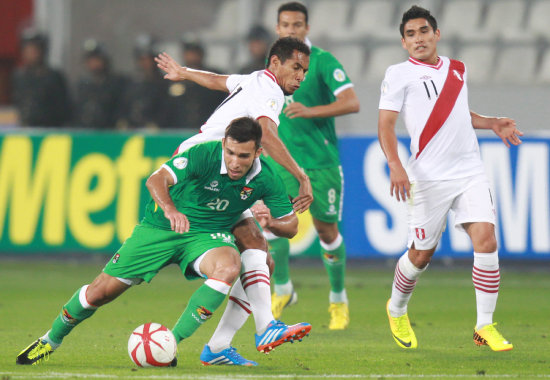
<point>229,356</point>
<point>489,335</point>
<point>278,303</point>
<point>278,333</point>
<point>339,316</point>
<point>38,351</point>
<point>401,330</point>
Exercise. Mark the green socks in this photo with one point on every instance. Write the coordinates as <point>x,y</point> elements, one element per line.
<point>202,304</point>
<point>334,258</point>
<point>280,249</point>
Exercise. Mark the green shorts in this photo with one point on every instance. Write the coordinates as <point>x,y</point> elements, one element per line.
<point>150,249</point>
<point>327,186</point>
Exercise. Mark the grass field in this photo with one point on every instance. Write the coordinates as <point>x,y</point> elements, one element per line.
<point>442,311</point>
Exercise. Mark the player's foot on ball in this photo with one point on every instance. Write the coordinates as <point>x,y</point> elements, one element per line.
<point>35,353</point>
<point>339,316</point>
<point>229,356</point>
<point>401,330</point>
<point>279,302</point>
<point>278,333</point>
<point>174,362</point>
<point>489,335</point>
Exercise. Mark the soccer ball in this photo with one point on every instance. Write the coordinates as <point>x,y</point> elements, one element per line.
<point>152,345</point>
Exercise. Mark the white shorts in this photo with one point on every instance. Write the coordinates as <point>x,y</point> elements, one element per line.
<point>469,198</point>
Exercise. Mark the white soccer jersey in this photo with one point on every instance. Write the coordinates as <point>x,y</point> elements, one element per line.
<point>413,88</point>
<point>254,95</point>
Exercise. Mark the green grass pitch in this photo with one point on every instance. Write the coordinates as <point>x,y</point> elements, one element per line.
<point>442,311</point>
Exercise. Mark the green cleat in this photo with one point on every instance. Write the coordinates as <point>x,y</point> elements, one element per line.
<point>34,354</point>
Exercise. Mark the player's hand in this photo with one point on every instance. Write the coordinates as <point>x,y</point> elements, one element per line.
<point>262,213</point>
<point>399,183</point>
<point>173,70</point>
<point>505,128</point>
<point>178,221</point>
<point>305,196</point>
<point>295,109</point>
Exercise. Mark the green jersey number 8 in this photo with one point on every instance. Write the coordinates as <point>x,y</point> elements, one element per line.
<point>218,204</point>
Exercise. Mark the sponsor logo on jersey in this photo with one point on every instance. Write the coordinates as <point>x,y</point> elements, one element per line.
<point>339,75</point>
<point>117,256</point>
<point>67,318</point>
<point>425,77</point>
<point>213,186</point>
<point>180,162</point>
<point>272,103</point>
<point>204,313</point>
<point>246,192</point>
<point>420,233</point>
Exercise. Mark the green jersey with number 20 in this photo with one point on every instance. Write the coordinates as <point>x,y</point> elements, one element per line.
<point>313,142</point>
<point>212,201</point>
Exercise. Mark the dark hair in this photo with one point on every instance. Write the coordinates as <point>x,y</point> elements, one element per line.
<point>245,129</point>
<point>293,6</point>
<point>417,12</point>
<point>284,48</point>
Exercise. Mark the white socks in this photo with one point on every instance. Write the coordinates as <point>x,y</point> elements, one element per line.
<point>404,282</point>
<point>486,279</point>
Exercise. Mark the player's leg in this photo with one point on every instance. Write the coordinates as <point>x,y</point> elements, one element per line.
<point>475,214</point>
<point>82,305</point>
<point>427,210</point>
<point>333,254</point>
<point>221,266</point>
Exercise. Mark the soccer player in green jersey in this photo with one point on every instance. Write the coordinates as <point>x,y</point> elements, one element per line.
<point>307,129</point>
<point>197,197</point>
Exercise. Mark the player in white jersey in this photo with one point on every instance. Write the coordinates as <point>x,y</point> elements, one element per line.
<point>444,173</point>
<point>259,95</point>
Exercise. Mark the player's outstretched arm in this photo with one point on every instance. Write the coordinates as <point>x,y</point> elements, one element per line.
<point>504,127</point>
<point>286,226</point>
<point>346,102</point>
<point>175,72</point>
<point>278,151</point>
<point>158,184</point>
<point>399,180</point>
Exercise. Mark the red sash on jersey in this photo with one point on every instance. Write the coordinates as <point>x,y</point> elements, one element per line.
<point>444,103</point>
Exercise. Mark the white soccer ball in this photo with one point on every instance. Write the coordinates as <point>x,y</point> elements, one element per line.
<point>152,345</point>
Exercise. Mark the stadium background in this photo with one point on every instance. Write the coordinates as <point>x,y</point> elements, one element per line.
<point>88,198</point>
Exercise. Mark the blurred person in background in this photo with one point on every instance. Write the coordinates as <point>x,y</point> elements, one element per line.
<point>190,103</point>
<point>258,40</point>
<point>308,130</point>
<point>99,91</point>
<point>146,95</point>
<point>39,92</point>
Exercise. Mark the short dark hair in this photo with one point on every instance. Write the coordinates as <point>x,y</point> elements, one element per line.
<point>284,48</point>
<point>417,12</point>
<point>293,6</point>
<point>245,129</point>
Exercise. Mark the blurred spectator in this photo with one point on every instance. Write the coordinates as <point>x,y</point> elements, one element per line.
<point>146,96</point>
<point>191,104</point>
<point>99,91</point>
<point>40,93</point>
<point>259,40</point>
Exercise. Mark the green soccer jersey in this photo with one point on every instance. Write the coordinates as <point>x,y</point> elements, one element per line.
<point>313,142</point>
<point>212,201</point>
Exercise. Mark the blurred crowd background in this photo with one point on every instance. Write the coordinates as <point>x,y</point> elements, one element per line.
<point>88,64</point>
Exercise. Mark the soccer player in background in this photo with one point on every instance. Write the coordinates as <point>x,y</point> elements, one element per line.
<point>197,197</point>
<point>307,129</point>
<point>444,173</point>
<point>259,95</point>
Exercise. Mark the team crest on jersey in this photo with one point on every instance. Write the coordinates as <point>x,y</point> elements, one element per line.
<point>117,256</point>
<point>204,313</point>
<point>272,103</point>
<point>246,192</point>
<point>420,233</point>
<point>180,162</point>
<point>339,75</point>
